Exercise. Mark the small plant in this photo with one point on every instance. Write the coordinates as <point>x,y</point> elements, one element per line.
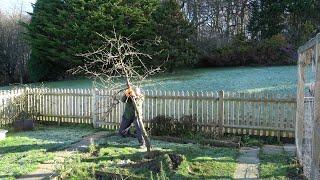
<point>93,148</point>
<point>296,170</point>
<point>72,168</point>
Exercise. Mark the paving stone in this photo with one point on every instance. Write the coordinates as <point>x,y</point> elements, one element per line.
<point>248,164</point>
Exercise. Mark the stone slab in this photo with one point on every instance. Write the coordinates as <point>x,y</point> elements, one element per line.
<point>248,164</point>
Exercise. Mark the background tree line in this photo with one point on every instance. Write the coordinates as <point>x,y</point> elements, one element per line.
<point>176,33</point>
<point>245,32</point>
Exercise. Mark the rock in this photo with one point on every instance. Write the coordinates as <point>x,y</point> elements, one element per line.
<point>176,160</point>
<point>3,134</point>
<point>23,125</point>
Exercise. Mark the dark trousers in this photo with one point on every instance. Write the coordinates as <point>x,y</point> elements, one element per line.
<point>125,125</point>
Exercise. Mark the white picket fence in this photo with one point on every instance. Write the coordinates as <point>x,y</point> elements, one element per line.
<point>243,113</point>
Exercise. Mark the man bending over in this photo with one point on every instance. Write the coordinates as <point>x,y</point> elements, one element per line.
<point>130,116</point>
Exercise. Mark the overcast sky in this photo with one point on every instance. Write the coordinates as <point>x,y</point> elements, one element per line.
<point>10,5</point>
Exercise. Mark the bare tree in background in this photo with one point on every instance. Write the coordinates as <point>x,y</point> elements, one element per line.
<point>117,65</point>
<point>217,21</point>
<point>14,49</point>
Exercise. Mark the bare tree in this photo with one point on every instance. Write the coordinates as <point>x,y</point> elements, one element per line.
<point>117,64</point>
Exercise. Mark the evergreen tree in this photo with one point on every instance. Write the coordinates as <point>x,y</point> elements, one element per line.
<point>303,20</point>
<point>176,35</point>
<point>59,30</point>
<point>49,56</point>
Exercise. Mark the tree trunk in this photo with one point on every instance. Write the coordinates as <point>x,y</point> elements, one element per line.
<point>140,121</point>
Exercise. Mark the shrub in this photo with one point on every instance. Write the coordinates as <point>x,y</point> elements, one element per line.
<point>168,126</point>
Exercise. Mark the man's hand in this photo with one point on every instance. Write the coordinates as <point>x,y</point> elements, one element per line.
<point>130,92</point>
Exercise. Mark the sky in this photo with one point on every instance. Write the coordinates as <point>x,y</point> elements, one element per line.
<point>11,5</point>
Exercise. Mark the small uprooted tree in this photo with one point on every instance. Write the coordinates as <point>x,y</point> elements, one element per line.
<point>117,64</point>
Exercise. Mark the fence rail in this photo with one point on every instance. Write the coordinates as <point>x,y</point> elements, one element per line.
<point>244,113</point>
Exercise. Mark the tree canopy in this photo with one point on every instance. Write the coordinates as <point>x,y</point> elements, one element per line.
<point>59,30</point>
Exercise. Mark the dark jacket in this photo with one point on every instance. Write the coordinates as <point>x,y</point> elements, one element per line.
<point>129,111</point>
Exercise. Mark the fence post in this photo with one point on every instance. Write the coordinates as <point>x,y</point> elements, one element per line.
<point>221,112</point>
<point>26,100</point>
<point>93,108</point>
<point>315,154</point>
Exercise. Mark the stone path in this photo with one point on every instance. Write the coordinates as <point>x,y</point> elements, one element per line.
<point>248,164</point>
<point>248,161</point>
<point>47,169</point>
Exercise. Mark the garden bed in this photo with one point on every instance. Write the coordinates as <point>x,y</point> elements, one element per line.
<point>122,157</point>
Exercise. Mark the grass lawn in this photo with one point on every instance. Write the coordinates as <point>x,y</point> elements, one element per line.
<point>278,166</point>
<point>121,157</point>
<point>21,152</point>
<point>116,157</point>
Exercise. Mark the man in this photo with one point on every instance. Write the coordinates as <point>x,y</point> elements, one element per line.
<point>130,116</point>
<point>312,89</point>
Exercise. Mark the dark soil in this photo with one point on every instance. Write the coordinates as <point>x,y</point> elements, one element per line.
<point>176,160</point>
<point>155,159</point>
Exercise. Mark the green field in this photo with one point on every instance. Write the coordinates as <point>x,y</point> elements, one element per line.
<point>279,79</point>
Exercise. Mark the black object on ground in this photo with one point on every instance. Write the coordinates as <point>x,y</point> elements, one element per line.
<point>23,125</point>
